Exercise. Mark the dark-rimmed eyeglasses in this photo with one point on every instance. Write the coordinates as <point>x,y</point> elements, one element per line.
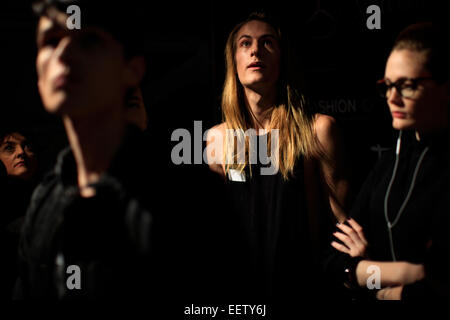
<point>406,87</point>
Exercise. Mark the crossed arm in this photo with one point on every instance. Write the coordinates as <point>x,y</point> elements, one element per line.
<point>393,275</point>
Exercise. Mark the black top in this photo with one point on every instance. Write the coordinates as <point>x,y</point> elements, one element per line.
<point>15,195</point>
<point>274,225</point>
<point>419,235</point>
<point>107,236</point>
<point>147,234</point>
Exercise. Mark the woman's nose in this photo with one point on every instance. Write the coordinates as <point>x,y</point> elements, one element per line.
<point>20,152</point>
<point>255,49</point>
<point>395,97</point>
<point>65,48</point>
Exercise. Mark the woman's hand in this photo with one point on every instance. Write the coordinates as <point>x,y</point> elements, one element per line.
<point>390,293</point>
<point>355,243</point>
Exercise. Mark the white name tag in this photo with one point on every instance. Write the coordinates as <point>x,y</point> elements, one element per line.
<point>236,175</point>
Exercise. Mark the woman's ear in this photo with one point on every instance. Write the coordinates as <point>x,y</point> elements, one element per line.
<point>135,70</point>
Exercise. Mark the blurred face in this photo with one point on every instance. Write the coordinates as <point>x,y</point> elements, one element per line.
<point>427,109</point>
<point>79,71</point>
<point>257,55</point>
<point>17,156</point>
<point>135,111</point>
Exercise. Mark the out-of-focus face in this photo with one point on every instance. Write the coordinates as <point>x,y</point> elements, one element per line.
<point>135,111</point>
<point>18,157</point>
<point>79,71</point>
<point>257,55</point>
<point>427,110</point>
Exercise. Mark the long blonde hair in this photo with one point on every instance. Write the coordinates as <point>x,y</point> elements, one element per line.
<point>290,115</point>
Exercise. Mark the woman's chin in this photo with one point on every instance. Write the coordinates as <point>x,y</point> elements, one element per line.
<point>400,124</point>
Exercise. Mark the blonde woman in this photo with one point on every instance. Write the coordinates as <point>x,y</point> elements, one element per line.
<point>282,198</point>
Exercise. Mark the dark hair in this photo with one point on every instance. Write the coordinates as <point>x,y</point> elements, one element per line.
<point>431,40</point>
<point>6,131</point>
<point>3,172</point>
<point>123,20</point>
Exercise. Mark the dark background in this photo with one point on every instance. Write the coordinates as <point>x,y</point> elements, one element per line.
<point>341,60</point>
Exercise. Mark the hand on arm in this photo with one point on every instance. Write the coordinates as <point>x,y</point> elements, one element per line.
<point>393,275</point>
<point>390,293</point>
<point>354,241</point>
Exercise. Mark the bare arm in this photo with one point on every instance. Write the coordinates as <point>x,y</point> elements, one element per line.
<point>392,276</point>
<point>214,144</point>
<point>391,273</point>
<point>390,293</point>
<point>332,165</point>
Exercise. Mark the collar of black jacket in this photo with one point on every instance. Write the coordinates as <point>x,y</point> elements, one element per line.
<point>128,166</point>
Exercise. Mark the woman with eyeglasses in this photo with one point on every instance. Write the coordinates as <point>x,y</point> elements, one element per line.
<point>396,239</point>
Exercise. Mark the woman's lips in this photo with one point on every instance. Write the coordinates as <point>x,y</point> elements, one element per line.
<point>256,65</point>
<point>399,115</point>
<point>19,164</point>
<point>60,81</point>
<point>64,80</point>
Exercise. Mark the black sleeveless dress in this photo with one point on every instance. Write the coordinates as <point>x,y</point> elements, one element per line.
<point>274,230</point>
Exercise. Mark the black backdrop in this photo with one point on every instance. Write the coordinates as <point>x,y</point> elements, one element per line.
<point>341,60</point>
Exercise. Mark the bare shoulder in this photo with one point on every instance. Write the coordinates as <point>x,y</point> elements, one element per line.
<point>214,141</point>
<point>325,128</point>
<point>216,133</point>
<point>330,139</point>
<point>219,128</point>
<point>328,135</point>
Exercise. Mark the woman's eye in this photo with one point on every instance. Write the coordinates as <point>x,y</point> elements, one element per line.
<point>245,43</point>
<point>267,42</point>
<point>408,86</point>
<point>407,89</point>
